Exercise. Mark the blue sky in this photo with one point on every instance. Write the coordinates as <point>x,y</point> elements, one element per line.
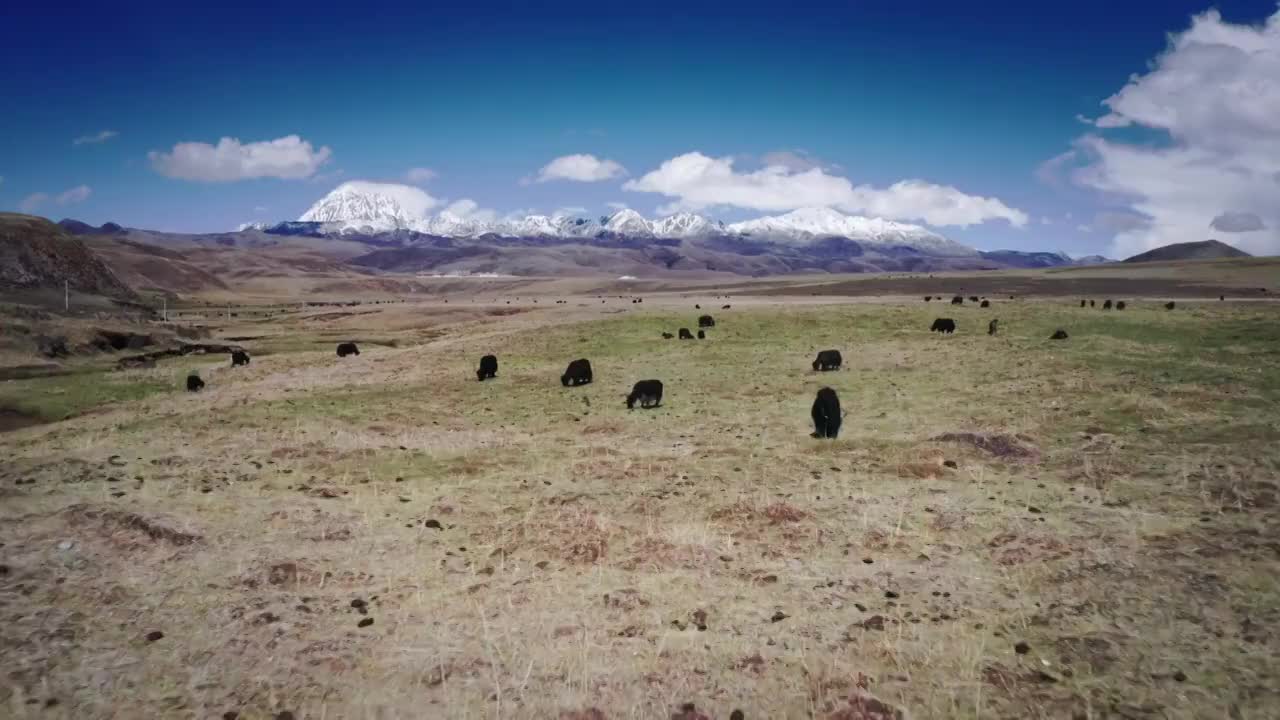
<point>484,95</point>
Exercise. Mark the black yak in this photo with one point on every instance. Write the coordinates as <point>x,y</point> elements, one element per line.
<point>488,368</point>
<point>706,321</point>
<point>578,373</point>
<point>973,298</point>
<point>985,303</point>
<point>1092,303</point>
<point>724,307</point>
<point>927,298</point>
<point>1106,305</point>
<point>194,383</point>
<point>943,325</point>
<point>826,414</point>
<point>1058,334</point>
<point>685,334</point>
<point>347,348</point>
<point>239,357</point>
<point>828,360</point>
<point>1083,303</point>
<point>957,300</point>
<point>1120,305</point>
<point>702,335</point>
<point>647,392</point>
<point>1169,305</point>
<point>993,327</point>
<point>667,336</point>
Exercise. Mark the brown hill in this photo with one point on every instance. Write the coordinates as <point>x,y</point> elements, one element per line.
<point>1204,250</point>
<point>36,254</point>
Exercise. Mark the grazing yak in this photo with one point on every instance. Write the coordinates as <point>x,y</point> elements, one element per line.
<point>1091,303</point>
<point>1120,305</point>
<point>667,336</point>
<point>685,334</point>
<point>1106,305</point>
<point>993,327</point>
<point>828,360</point>
<point>347,348</point>
<point>943,325</point>
<point>194,383</point>
<point>957,300</point>
<point>826,414</point>
<point>488,368</point>
<point>706,321</point>
<point>578,373</point>
<point>1222,297</point>
<point>973,298</point>
<point>647,392</point>
<point>1083,303</point>
<point>239,357</point>
<point>927,298</point>
<point>1059,334</point>
<point>702,335</point>
<point>1169,305</point>
<point>724,307</point>
<point>985,303</point>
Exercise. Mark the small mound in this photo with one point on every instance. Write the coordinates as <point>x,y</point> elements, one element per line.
<point>1000,445</point>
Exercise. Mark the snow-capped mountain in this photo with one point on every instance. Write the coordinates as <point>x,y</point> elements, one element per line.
<point>805,225</point>
<point>251,226</point>
<point>367,208</point>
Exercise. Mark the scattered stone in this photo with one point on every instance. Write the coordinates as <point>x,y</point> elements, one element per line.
<point>433,524</point>
<point>778,616</point>
<point>403,499</point>
<point>1180,676</point>
<point>154,635</point>
<point>1022,648</point>
<point>360,605</point>
<point>51,702</point>
<point>951,464</point>
<point>284,715</point>
<point>1034,510</point>
<point>737,715</point>
<point>365,622</point>
<point>875,622</point>
<point>891,594</point>
<point>230,715</point>
<point>867,561</point>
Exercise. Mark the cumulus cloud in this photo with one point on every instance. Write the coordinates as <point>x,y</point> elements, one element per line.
<point>793,160</point>
<point>96,138</point>
<point>1213,97</point>
<point>35,201</point>
<point>288,158</point>
<point>615,205</point>
<point>580,168</point>
<point>1237,222</point>
<point>697,181</point>
<point>1051,172</point>
<point>79,193</point>
<point>32,202</point>
<point>468,209</point>
<point>419,175</point>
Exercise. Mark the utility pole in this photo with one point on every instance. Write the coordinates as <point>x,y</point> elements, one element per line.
<point>66,296</point>
<point>165,312</point>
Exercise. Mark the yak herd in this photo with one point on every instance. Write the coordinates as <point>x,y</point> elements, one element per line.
<point>826,413</point>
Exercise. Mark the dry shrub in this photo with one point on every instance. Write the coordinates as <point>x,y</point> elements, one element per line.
<point>744,513</point>
<point>658,553</point>
<point>1009,447</point>
<point>127,529</point>
<point>574,535</point>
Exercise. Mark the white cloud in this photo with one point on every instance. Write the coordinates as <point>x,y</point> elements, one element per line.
<point>617,205</point>
<point>697,181</point>
<point>580,168</point>
<point>79,193</point>
<point>468,209</point>
<point>1046,220</point>
<point>35,201</point>
<point>32,202</point>
<point>793,160</point>
<point>1051,171</point>
<point>1214,97</point>
<point>94,139</point>
<point>288,158</point>
<point>570,211</point>
<point>1237,222</point>
<point>420,175</point>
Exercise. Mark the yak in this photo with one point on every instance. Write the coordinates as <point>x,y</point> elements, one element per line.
<point>702,335</point>
<point>1106,305</point>
<point>706,321</point>
<point>1120,305</point>
<point>685,334</point>
<point>194,383</point>
<point>1059,334</point>
<point>647,392</point>
<point>943,325</point>
<point>1169,305</point>
<point>488,368</point>
<point>578,373</point>
<point>828,360</point>
<point>985,303</point>
<point>826,414</point>
<point>667,336</point>
<point>347,348</point>
<point>239,357</point>
<point>957,300</point>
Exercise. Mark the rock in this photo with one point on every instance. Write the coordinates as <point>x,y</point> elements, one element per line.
<point>230,715</point>
<point>875,622</point>
<point>892,595</point>
<point>433,524</point>
<point>737,715</point>
<point>778,616</point>
<point>284,715</point>
<point>951,464</point>
<point>1180,676</point>
<point>154,635</point>
<point>365,622</point>
<point>1022,648</point>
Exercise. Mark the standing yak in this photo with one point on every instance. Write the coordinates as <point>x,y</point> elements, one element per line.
<point>194,383</point>
<point>488,368</point>
<point>685,334</point>
<point>706,321</point>
<point>647,392</point>
<point>702,335</point>
<point>239,357</point>
<point>826,414</point>
<point>957,300</point>
<point>943,325</point>
<point>578,373</point>
<point>347,348</point>
<point>828,360</point>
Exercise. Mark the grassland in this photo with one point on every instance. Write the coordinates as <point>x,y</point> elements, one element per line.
<point>527,550</point>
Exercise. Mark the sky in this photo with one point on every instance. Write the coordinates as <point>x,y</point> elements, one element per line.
<point>1087,127</point>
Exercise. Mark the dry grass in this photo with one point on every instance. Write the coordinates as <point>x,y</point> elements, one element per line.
<point>526,550</point>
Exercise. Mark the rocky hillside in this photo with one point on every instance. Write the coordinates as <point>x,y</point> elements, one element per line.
<point>36,254</point>
<point>1204,250</point>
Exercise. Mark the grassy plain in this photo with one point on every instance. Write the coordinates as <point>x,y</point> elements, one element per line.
<point>527,550</point>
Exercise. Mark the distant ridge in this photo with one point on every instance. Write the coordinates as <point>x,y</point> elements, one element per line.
<point>1203,250</point>
<point>75,227</point>
<point>37,254</point>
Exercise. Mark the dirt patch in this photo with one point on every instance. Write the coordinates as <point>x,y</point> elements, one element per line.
<point>11,420</point>
<point>1009,447</point>
<point>128,528</point>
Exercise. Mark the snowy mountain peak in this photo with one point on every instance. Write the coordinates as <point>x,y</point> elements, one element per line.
<point>629,222</point>
<point>369,206</point>
<point>684,225</point>
<point>805,225</point>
